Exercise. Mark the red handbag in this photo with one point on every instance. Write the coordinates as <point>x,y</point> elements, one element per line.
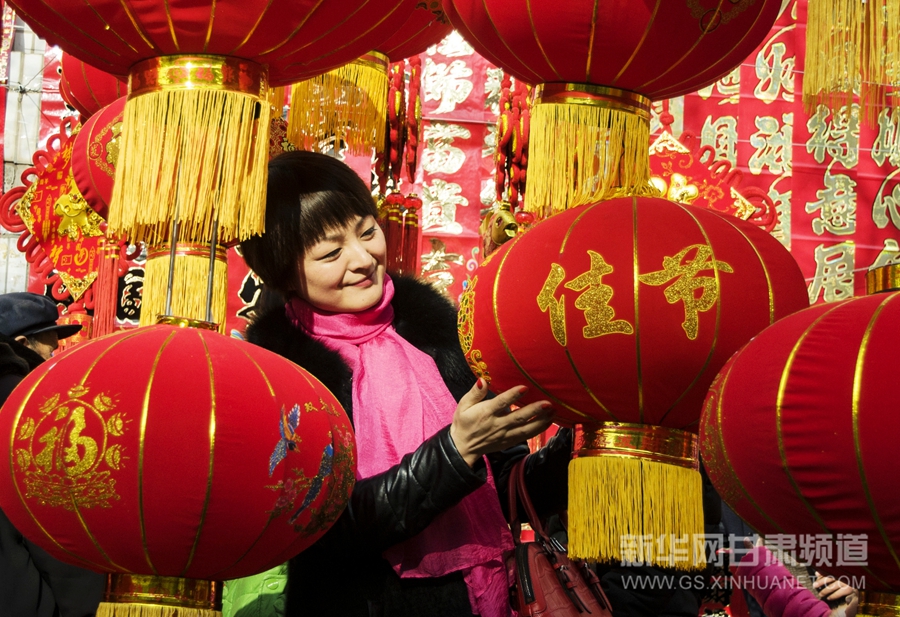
<point>546,582</point>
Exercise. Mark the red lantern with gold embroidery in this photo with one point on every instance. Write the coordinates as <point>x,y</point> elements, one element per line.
<point>620,313</point>
<point>797,435</point>
<point>87,89</point>
<point>208,459</point>
<point>597,66</point>
<point>95,153</point>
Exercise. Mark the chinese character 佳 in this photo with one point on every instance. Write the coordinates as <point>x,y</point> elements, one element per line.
<point>594,301</point>
<point>684,289</point>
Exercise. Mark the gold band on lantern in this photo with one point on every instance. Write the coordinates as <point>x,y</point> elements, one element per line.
<point>374,60</point>
<point>186,249</point>
<point>164,590</point>
<point>186,322</point>
<point>595,96</point>
<point>879,604</point>
<point>655,443</point>
<point>166,73</point>
<point>885,278</point>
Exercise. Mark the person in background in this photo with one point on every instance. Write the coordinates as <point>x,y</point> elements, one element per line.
<point>32,583</point>
<point>424,533</point>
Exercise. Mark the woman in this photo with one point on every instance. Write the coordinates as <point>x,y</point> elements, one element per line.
<point>424,532</point>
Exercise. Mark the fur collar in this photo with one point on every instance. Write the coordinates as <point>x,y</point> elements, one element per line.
<point>422,316</point>
<point>16,358</point>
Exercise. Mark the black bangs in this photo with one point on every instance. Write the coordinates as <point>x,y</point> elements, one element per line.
<point>308,195</point>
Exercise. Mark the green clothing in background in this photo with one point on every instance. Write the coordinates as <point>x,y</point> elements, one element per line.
<point>261,595</point>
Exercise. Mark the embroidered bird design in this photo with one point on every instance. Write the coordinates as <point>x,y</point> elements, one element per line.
<point>315,486</point>
<point>289,438</point>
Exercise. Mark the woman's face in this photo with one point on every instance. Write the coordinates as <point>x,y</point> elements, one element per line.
<point>344,273</point>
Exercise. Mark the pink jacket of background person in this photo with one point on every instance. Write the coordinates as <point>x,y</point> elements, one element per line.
<point>775,588</point>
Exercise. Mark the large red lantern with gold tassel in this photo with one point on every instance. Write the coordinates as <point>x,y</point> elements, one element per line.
<point>208,459</point>
<point>620,313</point>
<point>198,81</point>
<point>797,435</point>
<point>597,66</point>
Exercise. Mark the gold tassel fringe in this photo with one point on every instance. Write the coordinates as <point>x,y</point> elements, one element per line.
<point>585,150</point>
<point>192,151</point>
<point>188,287</point>
<point>851,46</point>
<point>349,102</point>
<point>109,609</point>
<point>620,507</point>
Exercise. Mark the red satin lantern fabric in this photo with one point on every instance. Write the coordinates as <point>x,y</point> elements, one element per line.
<point>88,89</point>
<point>421,31</point>
<point>625,310</point>
<point>799,431</point>
<point>175,452</point>
<point>95,153</point>
<point>296,39</point>
<point>659,49</point>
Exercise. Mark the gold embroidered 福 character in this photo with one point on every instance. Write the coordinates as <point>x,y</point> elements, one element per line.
<point>595,301</point>
<point>684,289</point>
<point>547,302</point>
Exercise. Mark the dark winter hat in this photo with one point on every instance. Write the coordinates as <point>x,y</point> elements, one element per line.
<point>25,314</point>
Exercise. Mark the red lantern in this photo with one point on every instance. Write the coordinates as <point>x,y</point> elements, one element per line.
<point>621,313</point>
<point>197,110</point>
<point>174,452</point>
<point>797,433</point>
<point>87,89</point>
<point>422,30</point>
<point>597,66</point>
<point>95,153</point>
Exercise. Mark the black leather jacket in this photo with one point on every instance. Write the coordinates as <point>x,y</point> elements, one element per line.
<point>344,573</point>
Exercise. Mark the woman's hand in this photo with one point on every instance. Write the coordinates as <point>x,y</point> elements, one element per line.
<point>480,427</point>
<point>834,590</point>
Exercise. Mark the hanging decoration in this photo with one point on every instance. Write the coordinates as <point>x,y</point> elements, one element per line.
<point>90,462</point>
<point>198,79</point>
<point>795,432</point>
<point>595,69</point>
<point>620,314</point>
<point>86,89</point>
<point>852,47</point>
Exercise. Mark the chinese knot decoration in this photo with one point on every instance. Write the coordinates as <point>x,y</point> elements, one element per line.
<point>596,67</point>
<point>797,435</point>
<point>211,459</point>
<point>621,313</point>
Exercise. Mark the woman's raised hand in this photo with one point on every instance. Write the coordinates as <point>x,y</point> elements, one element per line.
<point>482,426</point>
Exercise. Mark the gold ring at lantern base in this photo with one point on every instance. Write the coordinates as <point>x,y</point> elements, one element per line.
<point>187,322</point>
<point>879,604</point>
<point>885,278</point>
<point>655,443</point>
<point>374,60</point>
<point>186,249</point>
<point>198,72</point>
<point>595,96</point>
<point>164,590</point>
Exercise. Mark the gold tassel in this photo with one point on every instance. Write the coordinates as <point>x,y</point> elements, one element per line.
<point>636,495</point>
<point>349,102</point>
<point>587,143</point>
<point>851,46</point>
<point>194,148</point>
<point>878,603</point>
<point>108,609</point>
<point>189,284</point>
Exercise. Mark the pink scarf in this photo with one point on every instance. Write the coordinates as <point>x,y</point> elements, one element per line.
<point>391,421</point>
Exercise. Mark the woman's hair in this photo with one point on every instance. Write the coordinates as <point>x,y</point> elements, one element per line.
<point>308,195</point>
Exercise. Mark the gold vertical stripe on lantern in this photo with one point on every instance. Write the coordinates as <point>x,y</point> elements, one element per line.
<point>587,143</point>
<point>635,488</point>
<point>349,103</point>
<point>189,278</point>
<point>194,148</point>
<point>851,46</point>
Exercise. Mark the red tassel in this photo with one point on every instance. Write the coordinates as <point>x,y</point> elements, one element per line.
<point>106,290</point>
